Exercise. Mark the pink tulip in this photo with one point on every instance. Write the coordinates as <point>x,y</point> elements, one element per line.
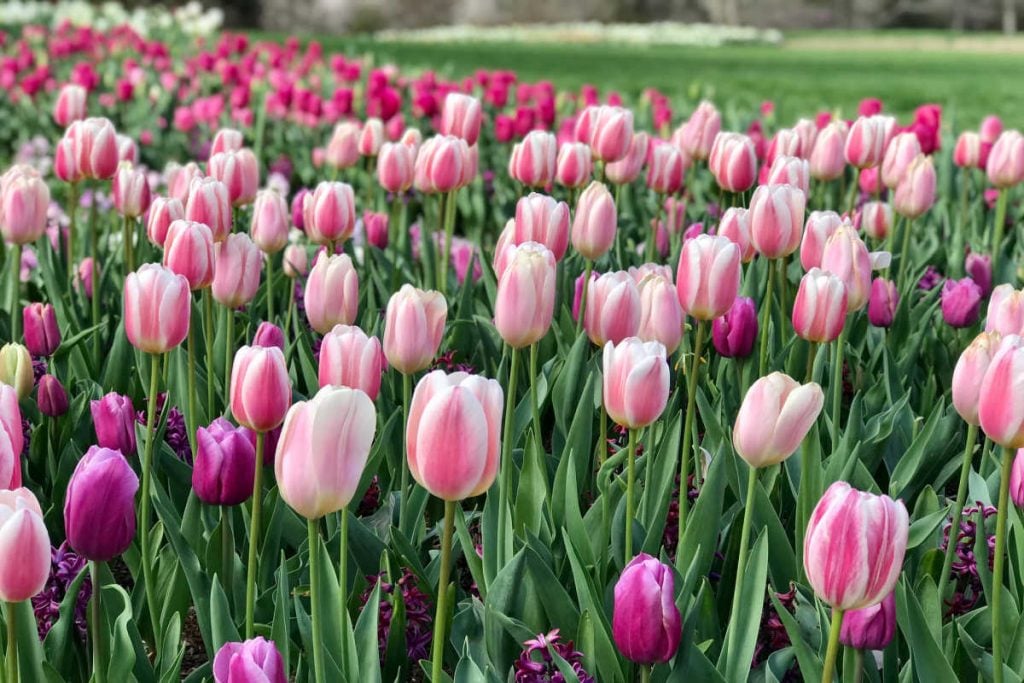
<point>733,162</point>
<point>698,133</point>
<point>179,180</point>
<point>613,308</point>
<point>189,251</point>
<point>533,160</point>
<point>260,389</point>
<point>453,434</point>
<point>827,161</point>
<point>970,371</point>
<point>661,318</point>
<point>343,148</point>
<point>131,191</point>
<point>708,278</point>
<point>375,226</point>
<point>611,132</point>
<point>646,624</point>
<point>871,627</point>
<point>371,137</point>
<point>1017,480</point>
<point>70,105</point>
<point>1006,160</point>
<point>776,219</point>
<point>734,333</point>
<point>540,218</point>
<point>227,140</point>
<point>666,168</point>
<point>11,439</point>
<point>253,661</point>
<point>236,274</point>
<point>329,213</point>
<point>349,358</point>
<point>819,311</point>
<point>94,146</point>
<point>846,256</point>
<point>627,169</point>
<point>790,170</point>
<point>396,166</point>
<point>268,334</point>
<point>295,261</point>
<point>775,416</point>
<point>51,397</point>
<point>876,219</point>
<point>332,292</point>
<point>854,547</point>
<point>323,450</point>
<point>961,302</point>
<point>636,382</point>
<point>113,418</point>
<point>24,201</point>
<point>902,150</point>
<point>967,152</point>
<point>441,165</point>
<point>595,223</point>
<point>42,335</point>
<point>883,302</point>
<point>785,142</point>
<point>209,203</point>
<point>24,546</point>
<point>525,301</point>
<point>162,212</point>
<point>461,117</point>
<point>413,327</point>
<point>915,193</point>
<point>239,171</point>
<point>270,221</point>
<point>127,149</point>
<point>1005,311</point>
<point>821,225</point>
<point>735,225</point>
<point>157,306</point>
<point>867,140</point>
<point>1001,398</point>
<point>573,165</point>
<point>979,268</point>
<point>65,165</point>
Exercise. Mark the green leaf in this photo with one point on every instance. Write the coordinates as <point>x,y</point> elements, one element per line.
<point>222,625</point>
<point>929,662</point>
<point>748,620</point>
<point>122,650</point>
<point>366,638</point>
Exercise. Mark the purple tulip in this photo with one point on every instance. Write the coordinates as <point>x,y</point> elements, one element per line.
<point>268,334</point>
<point>734,333</point>
<point>646,623</point>
<point>99,510</point>
<point>961,302</point>
<point>883,302</point>
<point>42,336</point>
<point>297,202</point>
<point>225,464</point>
<point>113,416</point>
<point>870,628</point>
<point>979,269</point>
<point>253,661</point>
<point>51,396</point>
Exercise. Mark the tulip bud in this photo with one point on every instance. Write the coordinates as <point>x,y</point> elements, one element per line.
<point>131,191</point>
<point>453,434</point>
<point>1017,480</point>
<point>776,219</point>
<point>260,389</point>
<point>51,397</point>
<point>236,275</point>
<point>613,308</point>
<point>876,219</point>
<point>343,149</point>
<point>375,226</point>
<point>595,223</point>
<point>99,508</point>
<point>179,180</point>
<point>646,624</point>
<point>734,333</point>
<point>42,336</point>
<point>70,105</point>
<point>532,162</point>
<point>270,221</point>
<point>329,213</point>
<point>94,145</point>
<point>661,318</point>
<point>113,418</point>
<point>871,627</point>
<point>413,327</point>
<point>157,308</point>
<point>525,300</point>
<point>821,225</point>
<point>970,371</point>
<point>371,137</point>
<point>12,439</point>
<point>227,140</point>
<point>295,261</point>
<point>999,402</point>
<point>961,302</point>
<point>65,166</point>
<point>16,369</point>
<point>790,170</point>
<point>254,661</point>
<point>162,212</point>
<point>627,169</point>
<point>903,149</point>
<point>733,162</point>
<point>209,203</point>
<point>332,292</point>
<point>666,168</point>
<point>827,161</point>
<point>84,276</point>
<point>1006,160</point>
<point>786,142</point>
<point>846,256</point>
<point>868,139</point>
<point>127,150</point>
<point>854,547</point>
<point>461,117</point>
<point>709,276</point>
<point>573,166</point>
<point>323,450</point>
<point>24,546</point>
<point>698,133</point>
<point>819,311</point>
<point>24,201</point>
<point>611,132</point>
<point>636,382</point>
<point>735,225</point>
<point>441,165</point>
<point>883,302</point>
<point>542,219</point>
<point>967,152</point>
<point>775,416</point>
<point>1005,310</point>
<point>225,464</point>
<point>189,252</point>
<point>396,166</point>
<point>349,358</point>
<point>915,193</point>
<point>979,268</point>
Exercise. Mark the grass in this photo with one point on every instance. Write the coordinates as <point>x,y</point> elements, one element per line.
<point>811,72</point>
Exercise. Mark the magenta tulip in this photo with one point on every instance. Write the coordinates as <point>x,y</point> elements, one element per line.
<point>42,335</point>
<point>225,464</point>
<point>253,661</point>
<point>871,627</point>
<point>99,507</point>
<point>646,624</point>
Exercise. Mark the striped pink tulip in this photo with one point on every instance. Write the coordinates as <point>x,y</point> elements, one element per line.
<point>525,302</point>
<point>227,140</point>
<point>1001,396</point>
<point>733,162</point>
<point>1005,310</point>
<point>461,117</point>
<point>627,169</point>
<point>915,193</point>
<point>735,225</point>
<point>533,160</point>
<point>970,371</point>
<point>24,546</point>
<point>1005,166</point>
<point>396,166</point>
<point>613,308</point>
<point>332,292</point>
<point>819,311</point>
<point>349,358</point>
<point>413,327</point>
<point>157,307</point>
<point>130,190</point>
<point>543,219</point>
<point>209,203</point>
<point>261,391</point>
<point>903,149</point>
<point>271,221</point>
<point>573,165</point>
<point>698,133</point>
<point>238,263</point>
<point>70,105</point>
<point>867,140</point>
<point>790,170</point>
<point>162,212</point>
<point>239,171</point>
<point>827,161</point>
<point>661,317</point>
<point>329,213</point>
<point>666,168</point>
<point>819,228</point>
<point>776,219</point>
<point>595,222</point>
<point>846,256</point>
<point>343,148</point>
<point>189,251</point>
<point>371,137</point>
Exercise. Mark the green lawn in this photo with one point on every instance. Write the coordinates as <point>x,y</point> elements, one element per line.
<point>835,71</point>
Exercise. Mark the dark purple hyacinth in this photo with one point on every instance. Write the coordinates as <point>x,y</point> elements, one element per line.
<point>38,369</point>
<point>967,589</point>
<point>26,433</point>
<point>371,499</point>
<point>931,279</point>
<point>670,535</point>
<point>65,567</point>
<point>536,665</point>
<point>418,614</point>
<point>176,431</point>
<point>446,361</point>
<point>772,635</point>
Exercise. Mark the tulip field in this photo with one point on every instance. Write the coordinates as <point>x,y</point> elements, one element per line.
<point>323,369</point>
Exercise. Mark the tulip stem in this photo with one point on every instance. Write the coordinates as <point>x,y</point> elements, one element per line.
<point>837,387</point>
<point>833,646</point>
<point>208,333</point>
<point>958,509</point>
<point>583,296</point>
<point>997,242</point>
<point>645,673</point>
<point>630,486</point>
<point>98,672</point>
<point>227,552</point>
<point>314,595</point>
<point>908,226</point>
<point>403,460</point>
<point>15,292</point>
<point>999,562</point>
<point>437,656</point>
<point>534,404</point>
<point>129,259</point>
<point>506,460</point>
<point>148,576</point>
<point>70,242</point>
<point>686,447</point>
<point>229,352</point>
<point>12,644</point>
<point>766,317</point>
<point>856,190</point>
<point>191,421</point>
<point>741,565</point>
<point>94,280</point>
<point>254,536</point>
<point>449,229</point>
<point>270,288</point>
